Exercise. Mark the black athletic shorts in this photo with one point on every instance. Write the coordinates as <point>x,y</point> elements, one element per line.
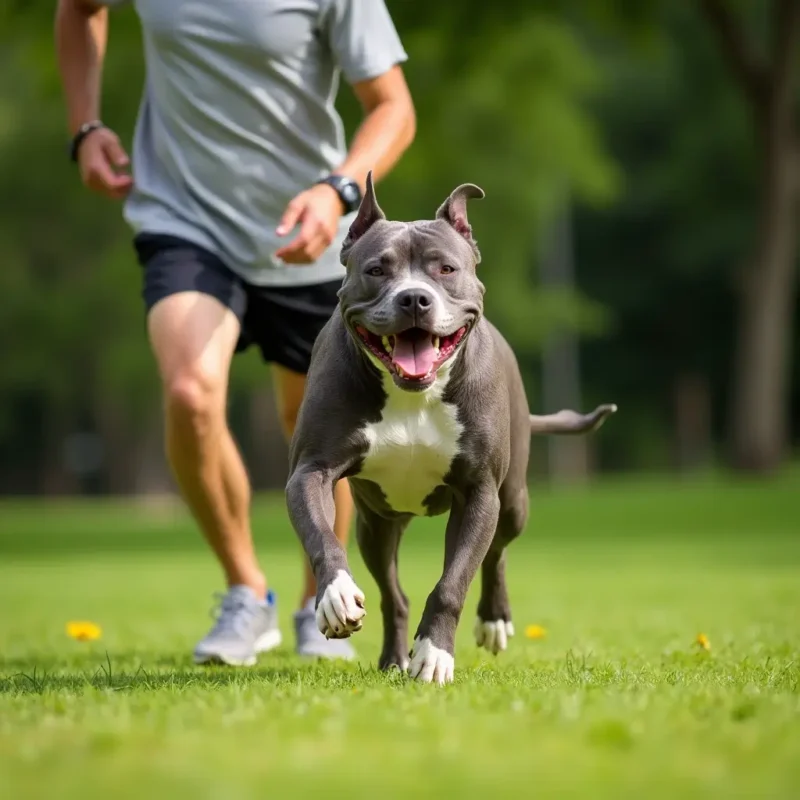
<point>283,321</point>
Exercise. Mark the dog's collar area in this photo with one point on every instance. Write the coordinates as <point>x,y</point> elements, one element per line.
<point>414,355</point>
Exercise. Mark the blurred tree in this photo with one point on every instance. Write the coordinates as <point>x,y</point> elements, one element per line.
<point>647,129</point>
<point>689,207</point>
<point>661,256</point>
<point>768,277</point>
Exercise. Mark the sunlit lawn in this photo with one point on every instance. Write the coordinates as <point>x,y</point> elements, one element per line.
<point>617,700</point>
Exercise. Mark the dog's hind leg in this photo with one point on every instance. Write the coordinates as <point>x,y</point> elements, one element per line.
<point>378,540</point>
<point>493,626</point>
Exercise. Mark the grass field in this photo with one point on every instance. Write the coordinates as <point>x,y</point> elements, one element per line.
<point>616,701</point>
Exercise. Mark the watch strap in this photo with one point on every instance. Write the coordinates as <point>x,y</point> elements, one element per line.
<point>341,184</point>
<point>80,135</point>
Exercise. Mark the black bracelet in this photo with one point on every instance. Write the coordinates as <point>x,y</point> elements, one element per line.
<point>82,133</point>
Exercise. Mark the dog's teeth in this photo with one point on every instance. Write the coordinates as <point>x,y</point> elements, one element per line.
<point>387,345</point>
<point>400,371</point>
<point>436,343</point>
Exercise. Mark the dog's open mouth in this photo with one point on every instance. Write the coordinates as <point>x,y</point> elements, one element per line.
<point>415,354</point>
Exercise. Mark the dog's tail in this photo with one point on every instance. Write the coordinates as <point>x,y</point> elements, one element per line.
<point>571,421</point>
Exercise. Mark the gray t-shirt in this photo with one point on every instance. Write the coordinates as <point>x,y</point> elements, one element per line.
<point>238,117</point>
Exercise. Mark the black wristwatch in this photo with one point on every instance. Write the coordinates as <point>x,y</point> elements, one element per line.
<point>348,190</point>
<point>82,133</point>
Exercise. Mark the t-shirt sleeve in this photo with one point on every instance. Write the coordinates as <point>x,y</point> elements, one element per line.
<point>363,38</point>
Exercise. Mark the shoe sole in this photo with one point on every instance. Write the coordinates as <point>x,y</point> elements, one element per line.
<point>267,641</point>
<point>326,656</point>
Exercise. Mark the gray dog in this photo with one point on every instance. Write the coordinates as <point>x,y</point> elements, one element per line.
<point>418,400</point>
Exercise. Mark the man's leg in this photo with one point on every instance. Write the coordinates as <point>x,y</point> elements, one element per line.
<point>289,387</point>
<point>193,337</point>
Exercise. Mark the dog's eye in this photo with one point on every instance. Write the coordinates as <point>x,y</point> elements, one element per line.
<point>446,269</point>
<point>375,272</point>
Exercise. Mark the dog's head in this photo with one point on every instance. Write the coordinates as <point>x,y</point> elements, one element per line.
<point>411,295</point>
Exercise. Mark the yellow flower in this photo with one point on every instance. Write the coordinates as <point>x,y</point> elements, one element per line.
<point>702,642</point>
<point>84,631</point>
<point>535,632</point>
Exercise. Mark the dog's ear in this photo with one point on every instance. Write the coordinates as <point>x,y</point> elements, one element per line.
<point>454,211</point>
<point>369,212</point>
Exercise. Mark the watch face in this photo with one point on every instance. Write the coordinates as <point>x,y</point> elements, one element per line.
<point>350,194</point>
<point>347,190</point>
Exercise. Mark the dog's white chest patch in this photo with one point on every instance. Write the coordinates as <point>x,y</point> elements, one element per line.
<point>410,449</point>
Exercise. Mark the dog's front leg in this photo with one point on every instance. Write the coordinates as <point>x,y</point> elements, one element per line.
<point>340,603</point>
<point>470,529</point>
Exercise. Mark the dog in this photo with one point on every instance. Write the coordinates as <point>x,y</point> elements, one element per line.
<point>416,399</point>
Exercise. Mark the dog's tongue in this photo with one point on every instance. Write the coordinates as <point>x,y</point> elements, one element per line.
<point>414,354</point>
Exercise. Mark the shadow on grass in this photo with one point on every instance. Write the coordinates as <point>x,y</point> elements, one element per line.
<point>18,677</point>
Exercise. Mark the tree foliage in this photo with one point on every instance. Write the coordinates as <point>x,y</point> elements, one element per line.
<point>629,105</point>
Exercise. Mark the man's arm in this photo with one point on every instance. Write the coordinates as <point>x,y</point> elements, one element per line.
<point>387,130</point>
<point>385,134</point>
<point>81,33</point>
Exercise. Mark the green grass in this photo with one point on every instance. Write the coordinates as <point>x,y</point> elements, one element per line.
<point>616,701</point>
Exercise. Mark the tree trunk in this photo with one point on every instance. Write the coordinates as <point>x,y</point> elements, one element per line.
<point>762,367</point>
<point>693,439</point>
<point>152,474</point>
<point>113,428</point>
<point>567,456</point>
<point>54,477</point>
<point>760,414</point>
<point>760,401</point>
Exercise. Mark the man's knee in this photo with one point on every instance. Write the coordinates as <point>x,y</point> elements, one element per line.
<point>193,337</point>
<point>194,398</point>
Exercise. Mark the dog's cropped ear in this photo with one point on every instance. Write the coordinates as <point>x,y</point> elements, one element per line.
<point>369,212</point>
<point>454,211</point>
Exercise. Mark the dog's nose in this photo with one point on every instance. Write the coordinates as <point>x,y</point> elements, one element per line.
<point>415,301</point>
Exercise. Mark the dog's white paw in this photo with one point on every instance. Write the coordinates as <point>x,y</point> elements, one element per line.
<point>341,610</point>
<point>494,634</point>
<point>429,663</point>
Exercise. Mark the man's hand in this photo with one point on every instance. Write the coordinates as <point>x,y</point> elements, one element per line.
<point>317,210</point>
<point>103,164</point>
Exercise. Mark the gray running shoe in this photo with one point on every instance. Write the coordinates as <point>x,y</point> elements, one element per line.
<point>311,643</point>
<point>245,627</point>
